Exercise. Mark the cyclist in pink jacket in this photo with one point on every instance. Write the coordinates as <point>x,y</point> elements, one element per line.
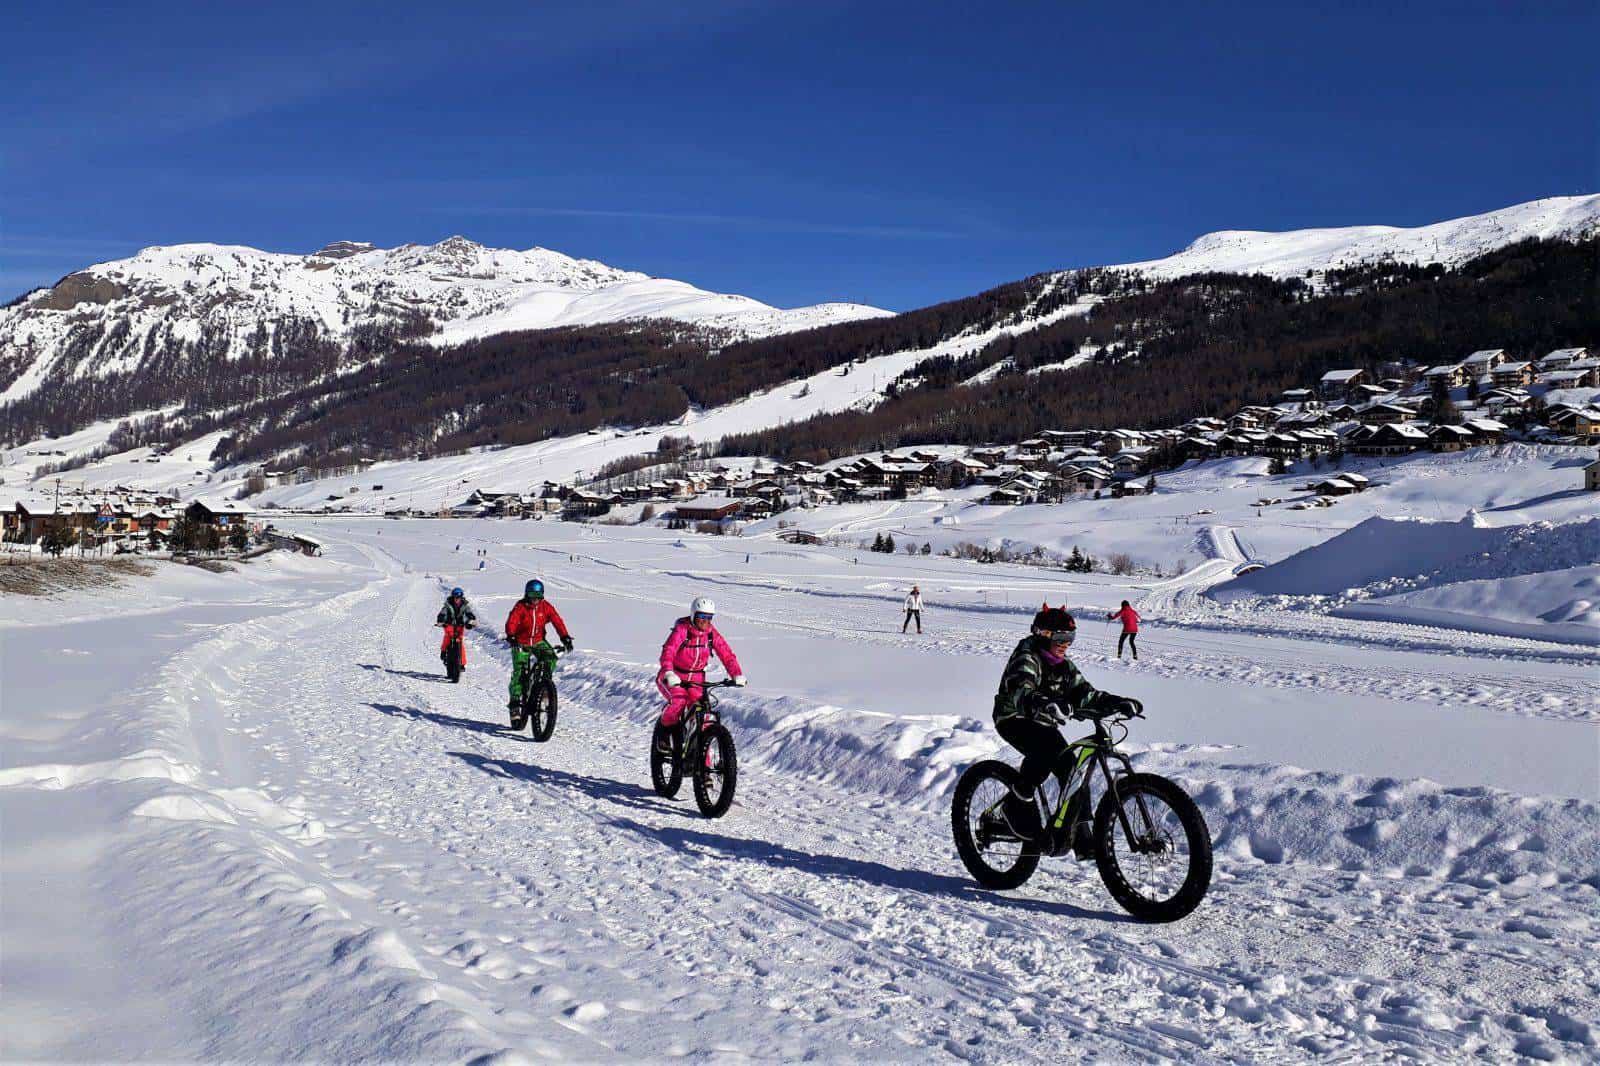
<point>685,656</point>
<point>1130,628</point>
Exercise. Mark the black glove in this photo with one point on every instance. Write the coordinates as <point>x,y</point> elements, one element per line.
<point>1042,706</point>
<point>566,643</point>
<point>1123,705</point>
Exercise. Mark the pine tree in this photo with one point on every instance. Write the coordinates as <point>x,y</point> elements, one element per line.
<point>888,544</point>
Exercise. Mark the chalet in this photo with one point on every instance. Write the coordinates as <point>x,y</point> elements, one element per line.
<point>1393,438</point>
<point>1453,375</point>
<point>1335,383</point>
<point>1283,446</point>
<point>1562,358</point>
<point>1449,438</point>
<point>1298,395</point>
<point>708,509</point>
<point>217,513</point>
<point>1368,393</point>
<point>1342,412</point>
<point>581,504</point>
<point>990,456</point>
<point>35,517</point>
<point>1197,448</point>
<point>1580,375</point>
<point>1334,487</point>
<point>1379,414</point>
<point>1131,462</point>
<point>1066,438</point>
<point>1486,430</point>
<point>1591,476</point>
<point>958,471</point>
<point>1007,496</point>
<point>1246,420</point>
<point>296,542</point>
<point>1512,374</point>
<point>1132,488</point>
<point>1484,361</point>
<point>1088,478</point>
<point>1567,379</point>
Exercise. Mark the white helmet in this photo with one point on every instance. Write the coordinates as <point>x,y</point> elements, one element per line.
<point>702,605</point>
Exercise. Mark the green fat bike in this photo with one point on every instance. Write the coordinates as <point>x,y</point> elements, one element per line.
<point>1147,838</point>
<point>538,708</point>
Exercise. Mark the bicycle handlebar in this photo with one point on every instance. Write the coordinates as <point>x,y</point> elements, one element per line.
<point>726,682</point>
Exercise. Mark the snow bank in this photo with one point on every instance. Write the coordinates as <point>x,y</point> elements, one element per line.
<point>1270,813</point>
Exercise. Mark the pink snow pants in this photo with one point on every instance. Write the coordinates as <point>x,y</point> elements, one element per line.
<point>678,697</point>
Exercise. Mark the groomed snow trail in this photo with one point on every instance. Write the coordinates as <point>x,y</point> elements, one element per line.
<point>540,899</point>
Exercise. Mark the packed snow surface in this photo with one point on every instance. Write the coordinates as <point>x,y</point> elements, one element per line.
<point>267,829</point>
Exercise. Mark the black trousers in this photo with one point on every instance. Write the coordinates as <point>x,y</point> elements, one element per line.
<point>1043,749</point>
<point>910,614</point>
<point>1132,640</point>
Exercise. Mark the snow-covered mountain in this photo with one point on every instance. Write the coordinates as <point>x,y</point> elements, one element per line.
<point>231,300</point>
<point>1454,241</point>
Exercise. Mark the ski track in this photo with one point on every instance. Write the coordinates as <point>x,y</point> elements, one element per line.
<point>541,899</point>
<point>1181,637</point>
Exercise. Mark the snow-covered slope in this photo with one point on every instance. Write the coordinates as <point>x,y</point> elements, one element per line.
<point>142,313</point>
<point>1296,251</point>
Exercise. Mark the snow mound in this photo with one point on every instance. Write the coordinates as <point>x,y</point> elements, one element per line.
<point>1391,555</point>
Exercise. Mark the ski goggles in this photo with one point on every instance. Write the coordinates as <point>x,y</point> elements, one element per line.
<point>701,616</point>
<point>1058,636</point>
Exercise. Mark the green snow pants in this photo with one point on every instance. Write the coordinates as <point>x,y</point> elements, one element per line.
<point>522,665</point>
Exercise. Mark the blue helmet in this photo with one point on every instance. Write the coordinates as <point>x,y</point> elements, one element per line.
<point>456,592</point>
<point>534,590</point>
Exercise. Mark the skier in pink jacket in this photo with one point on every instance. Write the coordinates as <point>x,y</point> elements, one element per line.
<point>685,656</point>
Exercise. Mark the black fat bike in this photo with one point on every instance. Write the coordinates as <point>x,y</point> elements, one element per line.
<point>701,744</point>
<point>538,709</point>
<point>453,653</point>
<point>1147,837</point>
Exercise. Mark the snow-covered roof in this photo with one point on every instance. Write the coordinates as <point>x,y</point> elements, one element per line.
<point>1485,355</point>
<point>1339,377</point>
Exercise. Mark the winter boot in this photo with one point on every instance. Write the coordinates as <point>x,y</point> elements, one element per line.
<point>1020,814</point>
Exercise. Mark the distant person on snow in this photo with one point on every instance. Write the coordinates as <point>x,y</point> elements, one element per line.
<point>684,658</point>
<point>525,633</point>
<point>1037,675</point>
<point>913,610</point>
<point>1130,629</point>
<point>456,617</point>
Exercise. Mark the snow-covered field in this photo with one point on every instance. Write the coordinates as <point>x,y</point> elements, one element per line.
<point>266,828</point>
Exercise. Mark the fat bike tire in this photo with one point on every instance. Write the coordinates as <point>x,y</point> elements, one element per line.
<point>541,711</point>
<point>666,774</point>
<point>716,772</point>
<point>965,808</point>
<point>1113,851</point>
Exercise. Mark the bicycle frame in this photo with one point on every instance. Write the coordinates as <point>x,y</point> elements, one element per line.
<point>1086,754</point>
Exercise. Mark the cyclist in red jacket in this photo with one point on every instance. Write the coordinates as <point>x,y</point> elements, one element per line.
<point>525,633</point>
<point>1130,629</point>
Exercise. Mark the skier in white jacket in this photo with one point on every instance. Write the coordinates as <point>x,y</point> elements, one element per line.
<point>913,610</point>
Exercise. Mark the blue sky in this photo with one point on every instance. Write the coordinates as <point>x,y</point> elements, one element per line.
<point>896,154</point>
